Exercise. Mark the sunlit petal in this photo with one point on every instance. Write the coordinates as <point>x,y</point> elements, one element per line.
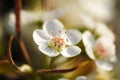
<point>71,51</point>
<point>103,30</point>
<point>88,39</point>
<point>52,14</point>
<point>39,36</point>
<point>90,53</point>
<point>104,65</point>
<point>53,28</point>
<point>45,49</point>
<point>81,78</point>
<point>73,36</point>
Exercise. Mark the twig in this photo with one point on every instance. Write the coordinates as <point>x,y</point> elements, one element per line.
<point>18,30</point>
<point>18,7</point>
<point>4,61</point>
<point>82,62</point>
<point>54,71</point>
<point>24,50</point>
<point>10,54</point>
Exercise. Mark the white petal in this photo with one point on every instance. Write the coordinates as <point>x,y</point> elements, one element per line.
<point>54,26</point>
<point>103,30</point>
<point>88,39</point>
<point>81,78</point>
<point>100,9</point>
<point>87,21</point>
<point>104,65</point>
<point>74,36</point>
<point>113,58</point>
<point>90,52</point>
<point>28,17</point>
<point>45,49</point>
<point>39,36</point>
<point>62,79</point>
<point>71,51</point>
<point>52,14</point>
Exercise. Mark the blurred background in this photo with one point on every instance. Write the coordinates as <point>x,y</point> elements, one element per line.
<point>73,13</point>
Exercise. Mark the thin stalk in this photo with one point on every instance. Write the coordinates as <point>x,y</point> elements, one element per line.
<point>10,54</point>
<point>56,71</point>
<point>19,30</point>
<point>81,63</point>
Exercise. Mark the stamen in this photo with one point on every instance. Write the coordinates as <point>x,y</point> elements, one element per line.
<point>56,42</point>
<point>100,50</point>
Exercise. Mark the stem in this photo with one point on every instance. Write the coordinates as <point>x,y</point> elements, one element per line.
<point>81,63</point>
<point>51,62</point>
<point>10,54</point>
<point>18,30</point>
<point>24,50</point>
<point>54,71</point>
<point>4,61</point>
<point>18,19</point>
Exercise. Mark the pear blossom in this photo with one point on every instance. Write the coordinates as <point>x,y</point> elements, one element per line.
<point>103,30</point>
<point>52,14</point>
<point>100,9</point>
<point>86,12</point>
<point>54,40</point>
<point>78,78</point>
<point>28,17</point>
<point>102,50</point>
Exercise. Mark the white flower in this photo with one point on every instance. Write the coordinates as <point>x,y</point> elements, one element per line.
<point>103,30</point>
<point>86,12</point>
<point>100,9</point>
<point>53,39</point>
<point>52,14</point>
<point>78,78</point>
<point>102,50</point>
<point>28,17</point>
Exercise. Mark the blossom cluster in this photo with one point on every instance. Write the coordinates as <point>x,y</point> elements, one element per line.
<point>54,40</point>
<point>70,32</point>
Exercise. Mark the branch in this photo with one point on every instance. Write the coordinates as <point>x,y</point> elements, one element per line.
<point>54,71</point>
<point>4,61</point>
<point>18,30</point>
<point>18,7</point>
<point>81,63</point>
<point>10,54</point>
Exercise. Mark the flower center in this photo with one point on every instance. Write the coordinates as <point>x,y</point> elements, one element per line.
<point>100,50</point>
<point>56,42</point>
